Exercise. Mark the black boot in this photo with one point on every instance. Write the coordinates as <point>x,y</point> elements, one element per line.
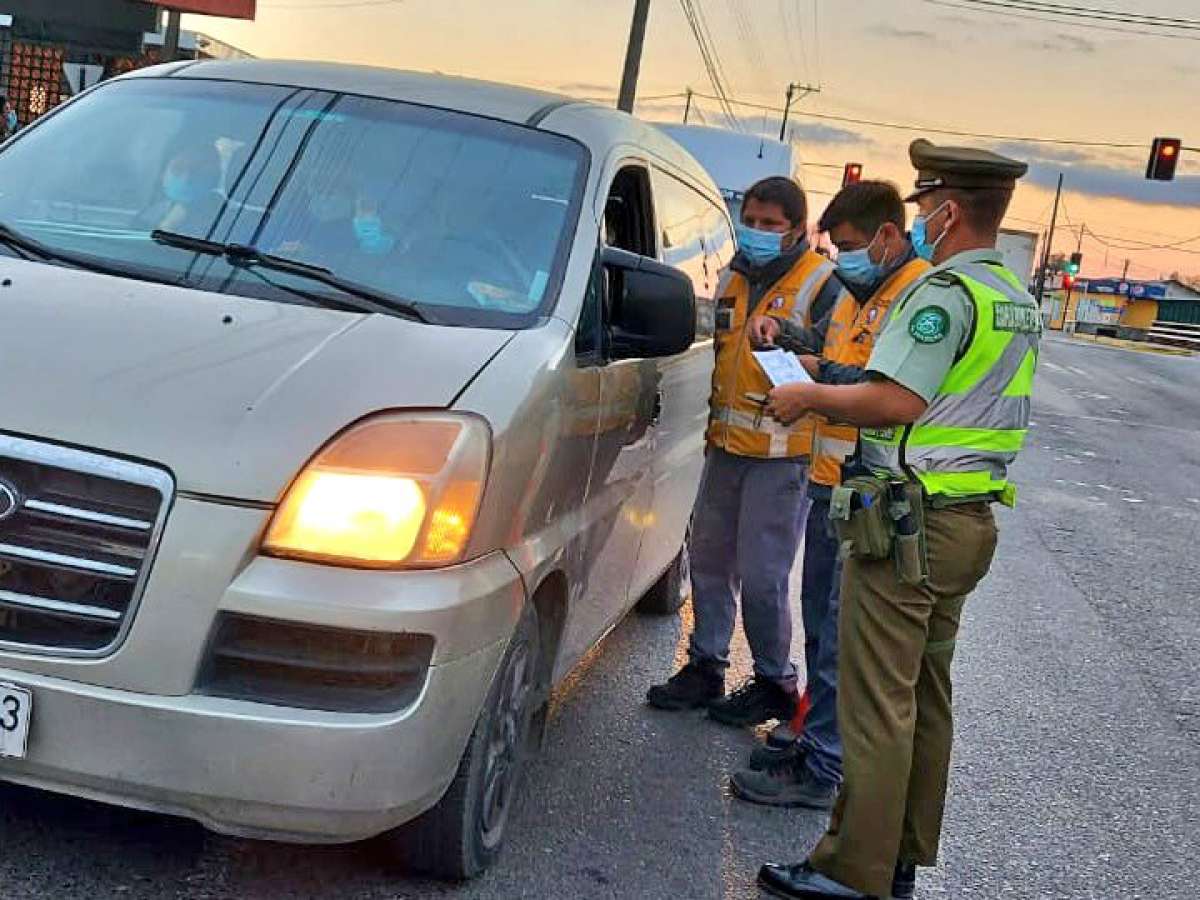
<point>904,882</point>
<point>801,881</point>
<point>693,686</point>
<point>755,702</point>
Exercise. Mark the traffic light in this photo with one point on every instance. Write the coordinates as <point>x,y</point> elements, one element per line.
<point>1068,282</point>
<point>1164,156</point>
<point>852,174</point>
<point>1075,262</point>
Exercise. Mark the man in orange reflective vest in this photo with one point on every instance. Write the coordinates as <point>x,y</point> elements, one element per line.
<point>876,261</point>
<point>751,508</point>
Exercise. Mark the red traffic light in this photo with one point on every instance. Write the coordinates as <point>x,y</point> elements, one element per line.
<point>1164,156</point>
<point>852,174</point>
<point>1068,282</point>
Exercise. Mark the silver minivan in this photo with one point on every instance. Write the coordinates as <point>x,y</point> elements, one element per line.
<point>342,411</point>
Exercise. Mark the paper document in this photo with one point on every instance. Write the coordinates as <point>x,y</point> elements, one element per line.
<point>782,367</point>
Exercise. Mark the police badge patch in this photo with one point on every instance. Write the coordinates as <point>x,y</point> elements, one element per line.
<point>777,303</point>
<point>929,325</point>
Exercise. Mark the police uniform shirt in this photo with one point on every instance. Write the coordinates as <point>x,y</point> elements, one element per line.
<point>929,328</point>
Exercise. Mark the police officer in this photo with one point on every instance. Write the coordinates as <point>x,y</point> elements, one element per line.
<point>943,416</point>
<point>750,511</point>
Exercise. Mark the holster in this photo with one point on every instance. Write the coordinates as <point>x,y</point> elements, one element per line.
<point>908,513</point>
<point>860,510</point>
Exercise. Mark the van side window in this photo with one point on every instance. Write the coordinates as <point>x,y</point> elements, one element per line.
<point>628,225</point>
<point>695,239</point>
<point>629,213</point>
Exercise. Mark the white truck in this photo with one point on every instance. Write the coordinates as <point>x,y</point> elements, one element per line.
<point>735,160</point>
<point>1020,251</point>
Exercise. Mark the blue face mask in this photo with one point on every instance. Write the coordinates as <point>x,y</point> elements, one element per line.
<point>920,241</point>
<point>180,188</point>
<point>372,239</point>
<point>760,247</point>
<point>857,268</point>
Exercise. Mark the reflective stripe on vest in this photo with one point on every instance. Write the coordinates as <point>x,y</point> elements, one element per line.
<point>964,442</point>
<point>735,423</point>
<point>852,332</point>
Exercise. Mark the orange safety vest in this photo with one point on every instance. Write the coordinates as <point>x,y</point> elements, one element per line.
<point>849,341</point>
<point>737,424</point>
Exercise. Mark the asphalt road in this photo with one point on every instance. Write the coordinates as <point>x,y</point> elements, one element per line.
<point>1077,767</point>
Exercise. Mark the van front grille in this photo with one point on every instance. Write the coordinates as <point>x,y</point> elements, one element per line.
<point>77,536</point>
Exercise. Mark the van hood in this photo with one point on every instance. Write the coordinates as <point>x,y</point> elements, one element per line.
<point>232,394</point>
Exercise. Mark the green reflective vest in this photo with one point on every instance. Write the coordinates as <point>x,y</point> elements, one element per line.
<point>964,442</point>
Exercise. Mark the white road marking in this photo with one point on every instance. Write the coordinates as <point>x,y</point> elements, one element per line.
<point>1133,500</point>
<point>1078,371</point>
<point>1054,367</point>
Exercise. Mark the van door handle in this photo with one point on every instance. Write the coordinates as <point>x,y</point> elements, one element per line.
<point>658,404</point>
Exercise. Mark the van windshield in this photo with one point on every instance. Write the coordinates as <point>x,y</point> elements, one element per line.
<point>467,218</point>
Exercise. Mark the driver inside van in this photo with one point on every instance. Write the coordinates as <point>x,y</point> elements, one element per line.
<point>190,198</point>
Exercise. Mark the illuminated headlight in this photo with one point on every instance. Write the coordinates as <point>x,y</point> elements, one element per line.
<point>393,491</point>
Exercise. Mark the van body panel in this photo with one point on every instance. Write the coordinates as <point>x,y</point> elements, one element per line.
<point>232,394</point>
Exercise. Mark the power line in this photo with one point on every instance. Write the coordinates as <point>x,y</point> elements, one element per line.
<point>710,64</point>
<point>1089,13</point>
<point>928,129</point>
<point>751,46</point>
<point>816,37</point>
<point>967,6</point>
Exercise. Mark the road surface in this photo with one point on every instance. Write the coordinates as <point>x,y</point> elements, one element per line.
<point>1078,706</point>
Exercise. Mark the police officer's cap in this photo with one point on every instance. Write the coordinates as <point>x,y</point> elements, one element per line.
<point>963,168</point>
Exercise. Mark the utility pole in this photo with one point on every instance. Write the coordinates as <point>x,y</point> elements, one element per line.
<point>687,106</point>
<point>787,108</point>
<point>1125,271</point>
<point>170,50</point>
<point>633,55</point>
<point>803,90</point>
<point>1041,285</point>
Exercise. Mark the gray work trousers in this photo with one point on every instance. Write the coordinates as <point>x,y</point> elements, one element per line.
<point>746,528</point>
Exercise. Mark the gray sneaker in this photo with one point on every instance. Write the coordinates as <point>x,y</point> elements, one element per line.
<point>788,784</point>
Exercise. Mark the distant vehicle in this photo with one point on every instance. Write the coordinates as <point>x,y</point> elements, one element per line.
<point>1020,252</point>
<point>735,160</point>
<point>347,409</point>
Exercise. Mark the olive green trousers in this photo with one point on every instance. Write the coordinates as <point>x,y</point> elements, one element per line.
<point>896,643</point>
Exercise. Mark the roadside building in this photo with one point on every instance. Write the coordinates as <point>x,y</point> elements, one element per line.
<point>1124,308</point>
<point>50,49</point>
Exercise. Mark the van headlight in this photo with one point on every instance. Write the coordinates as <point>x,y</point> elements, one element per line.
<point>395,490</point>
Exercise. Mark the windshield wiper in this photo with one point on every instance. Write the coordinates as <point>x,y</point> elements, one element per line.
<point>27,246</point>
<point>367,299</point>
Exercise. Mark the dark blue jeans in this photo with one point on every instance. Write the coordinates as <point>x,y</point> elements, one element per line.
<point>745,532</point>
<point>819,601</point>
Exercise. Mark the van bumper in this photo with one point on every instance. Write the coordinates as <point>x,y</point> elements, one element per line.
<point>251,770</point>
<point>150,739</point>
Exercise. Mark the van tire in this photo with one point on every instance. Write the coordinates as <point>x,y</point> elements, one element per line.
<point>464,834</point>
<point>670,592</point>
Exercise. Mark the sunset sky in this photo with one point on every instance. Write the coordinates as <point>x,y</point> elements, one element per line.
<point>949,64</point>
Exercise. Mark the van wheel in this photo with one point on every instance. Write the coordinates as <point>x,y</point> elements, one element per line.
<point>464,833</point>
<point>671,591</point>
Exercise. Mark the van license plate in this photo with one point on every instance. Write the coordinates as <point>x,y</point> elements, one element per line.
<point>16,706</point>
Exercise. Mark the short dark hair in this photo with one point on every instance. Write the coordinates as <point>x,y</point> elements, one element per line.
<point>984,208</point>
<point>866,205</point>
<point>785,193</point>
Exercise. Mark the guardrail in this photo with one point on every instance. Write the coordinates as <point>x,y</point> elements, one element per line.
<point>1175,334</point>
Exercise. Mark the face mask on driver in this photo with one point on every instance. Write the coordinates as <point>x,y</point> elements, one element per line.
<point>181,188</point>
<point>372,239</point>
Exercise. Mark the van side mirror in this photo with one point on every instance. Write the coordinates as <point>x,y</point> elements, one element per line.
<point>653,306</point>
